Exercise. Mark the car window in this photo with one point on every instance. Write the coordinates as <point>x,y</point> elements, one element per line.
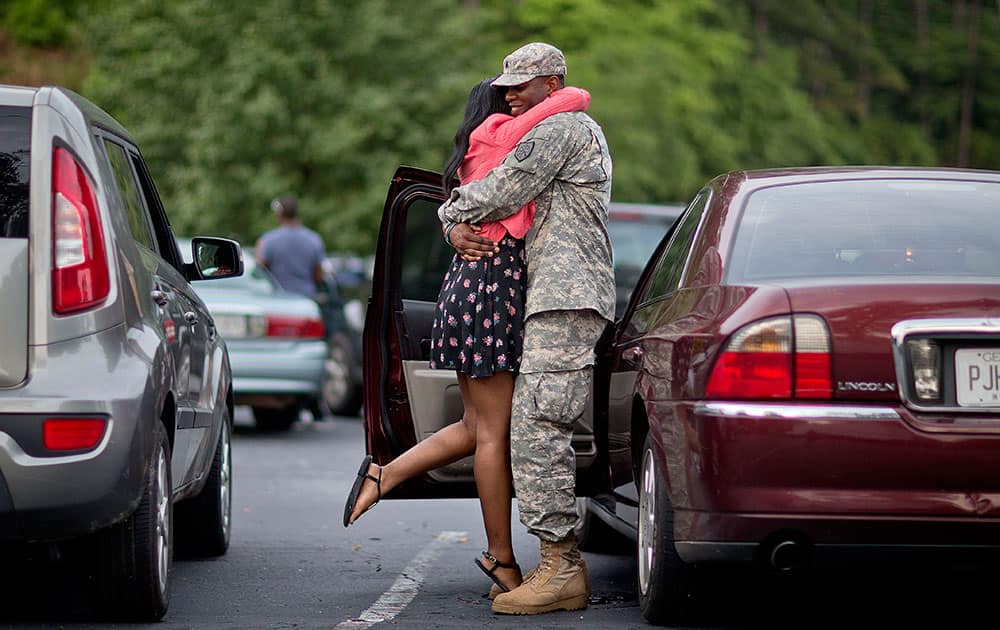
<point>138,223</point>
<point>426,257</point>
<point>15,166</point>
<point>161,223</point>
<point>667,274</point>
<point>635,231</point>
<point>869,227</point>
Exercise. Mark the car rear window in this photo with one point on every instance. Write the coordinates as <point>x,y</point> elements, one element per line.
<point>15,164</point>
<point>869,227</point>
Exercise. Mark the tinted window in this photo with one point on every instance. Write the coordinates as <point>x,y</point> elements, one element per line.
<point>426,257</point>
<point>128,188</point>
<point>15,164</point>
<point>667,275</point>
<point>161,224</point>
<point>861,228</point>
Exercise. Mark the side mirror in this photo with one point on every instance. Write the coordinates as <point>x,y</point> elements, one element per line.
<point>214,258</point>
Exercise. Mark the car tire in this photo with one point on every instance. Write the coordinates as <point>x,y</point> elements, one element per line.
<point>281,419</point>
<point>204,522</point>
<point>341,395</point>
<point>663,578</point>
<point>592,533</point>
<point>134,557</point>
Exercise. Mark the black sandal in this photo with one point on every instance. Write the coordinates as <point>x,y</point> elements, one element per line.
<point>352,498</point>
<point>496,564</point>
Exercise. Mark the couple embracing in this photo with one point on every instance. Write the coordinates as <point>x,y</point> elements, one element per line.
<point>528,294</point>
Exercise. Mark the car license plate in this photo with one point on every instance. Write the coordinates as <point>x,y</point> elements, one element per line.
<point>977,377</point>
<point>231,326</point>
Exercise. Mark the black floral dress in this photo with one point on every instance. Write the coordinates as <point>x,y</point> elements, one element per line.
<point>479,323</point>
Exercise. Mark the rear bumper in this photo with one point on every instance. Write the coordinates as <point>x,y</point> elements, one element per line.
<point>45,498</point>
<point>52,496</point>
<point>280,368</point>
<point>832,476</point>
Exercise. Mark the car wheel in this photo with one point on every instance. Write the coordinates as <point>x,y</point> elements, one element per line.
<point>341,394</point>
<point>663,577</point>
<point>280,419</point>
<point>135,556</point>
<point>592,533</point>
<point>204,522</point>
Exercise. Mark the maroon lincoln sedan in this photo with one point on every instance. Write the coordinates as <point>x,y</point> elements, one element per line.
<point>810,366</point>
<point>806,369</point>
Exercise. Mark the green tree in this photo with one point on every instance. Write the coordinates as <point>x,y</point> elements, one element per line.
<point>236,104</point>
<point>680,94</point>
<point>40,22</point>
<point>910,82</point>
<point>650,66</point>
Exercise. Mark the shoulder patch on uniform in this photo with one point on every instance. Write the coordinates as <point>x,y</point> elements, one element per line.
<point>523,150</point>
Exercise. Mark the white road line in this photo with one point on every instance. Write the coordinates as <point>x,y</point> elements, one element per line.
<point>404,589</point>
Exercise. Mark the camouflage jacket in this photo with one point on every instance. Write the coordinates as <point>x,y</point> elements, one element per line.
<point>563,164</point>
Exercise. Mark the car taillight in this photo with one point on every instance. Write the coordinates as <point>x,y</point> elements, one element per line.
<point>80,275</point>
<point>72,434</point>
<point>298,327</point>
<point>756,363</point>
<point>781,357</point>
<point>812,358</point>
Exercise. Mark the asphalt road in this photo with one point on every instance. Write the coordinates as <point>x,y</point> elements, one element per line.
<point>409,564</point>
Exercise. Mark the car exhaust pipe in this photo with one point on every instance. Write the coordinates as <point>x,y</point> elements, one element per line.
<point>787,555</point>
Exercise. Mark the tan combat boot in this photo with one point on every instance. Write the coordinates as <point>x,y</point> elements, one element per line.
<point>496,590</point>
<point>560,582</point>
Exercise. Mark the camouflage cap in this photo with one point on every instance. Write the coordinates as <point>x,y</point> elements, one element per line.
<point>529,61</point>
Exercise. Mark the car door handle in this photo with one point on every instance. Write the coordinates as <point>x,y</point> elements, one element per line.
<point>632,354</point>
<point>191,317</point>
<point>159,297</point>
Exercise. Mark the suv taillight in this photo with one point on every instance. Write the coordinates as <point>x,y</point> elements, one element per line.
<point>780,357</point>
<point>80,275</point>
<point>72,434</point>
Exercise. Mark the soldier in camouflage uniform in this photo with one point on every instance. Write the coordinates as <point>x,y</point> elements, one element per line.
<point>563,164</point>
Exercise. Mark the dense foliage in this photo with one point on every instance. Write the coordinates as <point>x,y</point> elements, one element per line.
<point>235,103</point>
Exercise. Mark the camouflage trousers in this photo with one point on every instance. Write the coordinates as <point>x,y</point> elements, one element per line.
<point>552,390</point>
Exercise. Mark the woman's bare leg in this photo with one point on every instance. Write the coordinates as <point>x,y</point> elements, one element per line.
<point>490,397</point>
<point>450,444</point>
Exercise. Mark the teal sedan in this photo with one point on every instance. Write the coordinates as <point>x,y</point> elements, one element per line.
<point>277,343</point>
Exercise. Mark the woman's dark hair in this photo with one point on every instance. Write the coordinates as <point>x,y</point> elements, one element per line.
<point>483,101</point>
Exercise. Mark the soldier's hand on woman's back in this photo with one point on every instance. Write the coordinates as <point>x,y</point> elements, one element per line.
<point>465,239</point>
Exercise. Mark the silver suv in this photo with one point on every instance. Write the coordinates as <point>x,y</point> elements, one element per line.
<point>115,388</point>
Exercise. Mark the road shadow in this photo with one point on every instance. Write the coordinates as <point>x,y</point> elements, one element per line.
<point>845,596</point>
<point>44,584</point>
<point>40,585</point>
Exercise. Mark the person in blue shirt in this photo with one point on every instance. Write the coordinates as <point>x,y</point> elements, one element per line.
<point>291,252</point>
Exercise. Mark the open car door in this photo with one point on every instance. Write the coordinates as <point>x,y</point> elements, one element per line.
<point>406,401</point>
